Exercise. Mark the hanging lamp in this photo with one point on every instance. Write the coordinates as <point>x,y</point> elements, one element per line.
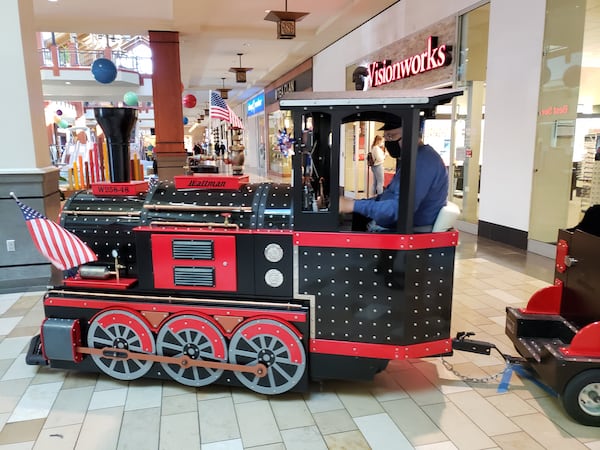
<point>240,72</point>
<point>286,22</point>
<point>224,91</point>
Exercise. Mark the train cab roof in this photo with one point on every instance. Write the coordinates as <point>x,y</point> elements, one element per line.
<point>372,100</point>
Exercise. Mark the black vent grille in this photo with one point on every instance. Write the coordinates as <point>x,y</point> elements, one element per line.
<point>195,249</point>
<point>195,276</point>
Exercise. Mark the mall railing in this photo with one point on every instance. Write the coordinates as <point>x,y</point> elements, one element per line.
<point>63,58</point>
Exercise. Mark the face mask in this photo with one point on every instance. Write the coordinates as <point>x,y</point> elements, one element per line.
<point>393,148</point>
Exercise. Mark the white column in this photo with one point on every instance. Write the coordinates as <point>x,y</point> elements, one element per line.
<point>25,166</point>
<point>512,88</point>
<point>22,124</point>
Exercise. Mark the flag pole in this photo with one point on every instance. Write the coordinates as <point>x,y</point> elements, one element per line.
<point>210,119</point>
<point>12,194</point>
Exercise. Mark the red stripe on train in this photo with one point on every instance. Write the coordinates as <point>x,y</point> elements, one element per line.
<point>381,351</point>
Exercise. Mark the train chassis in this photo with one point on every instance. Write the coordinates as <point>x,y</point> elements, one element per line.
<point>193,345</point>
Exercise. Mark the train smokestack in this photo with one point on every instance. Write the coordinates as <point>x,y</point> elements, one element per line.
<point>117,124</point>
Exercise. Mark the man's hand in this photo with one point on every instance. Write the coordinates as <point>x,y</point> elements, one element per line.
<point>346,204</point>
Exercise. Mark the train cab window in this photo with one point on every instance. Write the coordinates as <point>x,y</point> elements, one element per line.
<point>313,171</point>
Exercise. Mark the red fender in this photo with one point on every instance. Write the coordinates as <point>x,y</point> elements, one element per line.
<point>545,301</point>
<point>586,342</point>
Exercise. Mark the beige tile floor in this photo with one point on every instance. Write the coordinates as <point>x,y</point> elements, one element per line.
<point>413,404</point>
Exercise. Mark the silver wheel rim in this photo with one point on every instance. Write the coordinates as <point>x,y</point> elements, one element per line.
<point>589,399</point>
<point>126,331</point>
<point>196,338</point>
<point>276,346</point>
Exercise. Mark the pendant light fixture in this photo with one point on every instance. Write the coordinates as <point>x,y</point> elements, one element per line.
<point>286,22</point>
<point>240,72</point>
<point>223,91</point>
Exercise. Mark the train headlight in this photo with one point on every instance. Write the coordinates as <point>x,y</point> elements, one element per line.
<point>273,278</point>
<point>273,252</point>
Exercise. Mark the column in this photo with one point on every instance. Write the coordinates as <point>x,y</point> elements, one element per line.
<point>168,115</point>
<point>25,166</point>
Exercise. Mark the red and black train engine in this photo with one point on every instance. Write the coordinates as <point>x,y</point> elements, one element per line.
<point>210,278</point>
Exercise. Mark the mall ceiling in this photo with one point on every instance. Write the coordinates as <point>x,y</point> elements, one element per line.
<point>212,33</point>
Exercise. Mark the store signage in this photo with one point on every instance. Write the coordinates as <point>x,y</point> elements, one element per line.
<point>290,86</point>
<point>435,57</point>
<point>256,105</point>
<point>555,110</point>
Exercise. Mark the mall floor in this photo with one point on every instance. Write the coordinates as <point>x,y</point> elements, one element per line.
<point>412,404</point>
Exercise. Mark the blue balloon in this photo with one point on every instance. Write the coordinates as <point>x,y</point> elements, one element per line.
<point>104,70</point>
<point>185,120</point>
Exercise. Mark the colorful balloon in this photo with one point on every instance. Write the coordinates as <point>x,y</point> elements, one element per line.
<point>130,98</point>
<point>185,120</point>
<point>59,112</point>
<point>104,70</point>
<point>189,101</point>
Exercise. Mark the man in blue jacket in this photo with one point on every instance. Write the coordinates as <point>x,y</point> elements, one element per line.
<point>431,188</point>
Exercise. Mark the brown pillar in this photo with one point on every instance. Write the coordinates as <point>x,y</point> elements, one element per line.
<point>168,115</point>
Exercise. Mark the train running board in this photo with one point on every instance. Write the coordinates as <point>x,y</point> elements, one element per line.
<point>260,370</point>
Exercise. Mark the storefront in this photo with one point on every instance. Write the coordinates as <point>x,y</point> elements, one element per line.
<point>522,142</point>
<point>421,60</point>
<point>256,134</point>
<point>280,131</point>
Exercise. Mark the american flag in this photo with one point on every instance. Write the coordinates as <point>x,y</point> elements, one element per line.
<point>153,181</point>
<point>220,110</point>
<point>61,247</point>
<point>235,121</point>
<point>218,107</point>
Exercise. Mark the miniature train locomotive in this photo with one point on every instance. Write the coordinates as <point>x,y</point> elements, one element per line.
<point>210,278</point>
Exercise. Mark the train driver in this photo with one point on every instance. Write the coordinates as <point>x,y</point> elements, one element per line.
<point>431,188</point>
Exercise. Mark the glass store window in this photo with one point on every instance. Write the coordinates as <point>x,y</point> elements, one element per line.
<point>281,131</point>
<point>468,112</point>
<point>584,190</point>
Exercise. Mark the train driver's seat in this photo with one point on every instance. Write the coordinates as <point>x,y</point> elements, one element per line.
<point>446,218</point>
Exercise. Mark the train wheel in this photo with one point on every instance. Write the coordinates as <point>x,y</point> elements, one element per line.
<point>276,346</point>
<point>196,338</point>
<point>581,398</point>
<point>123,330</point>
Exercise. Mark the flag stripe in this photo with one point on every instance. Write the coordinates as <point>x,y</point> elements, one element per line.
<point>236,122</point>
<point>46,236</point>
<point>42,246</point>
<point>57,241</point>
<point>68,246</point>
<point>61,247</point>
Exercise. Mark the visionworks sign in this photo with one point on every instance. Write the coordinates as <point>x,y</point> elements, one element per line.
<point>435,57</point>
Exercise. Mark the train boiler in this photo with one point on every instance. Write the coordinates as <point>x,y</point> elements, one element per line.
<point>210,278</point>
